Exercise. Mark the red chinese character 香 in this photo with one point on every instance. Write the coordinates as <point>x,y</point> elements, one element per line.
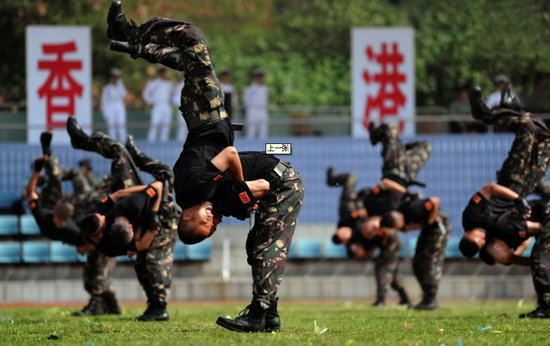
<point>60,88</point>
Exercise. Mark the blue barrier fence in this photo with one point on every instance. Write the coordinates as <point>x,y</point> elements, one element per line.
<point>459,166</point>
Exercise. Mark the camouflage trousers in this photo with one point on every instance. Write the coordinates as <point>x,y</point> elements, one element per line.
<point>159,170</point>
<point>528,159</point>
<point>349,200</point>
<point>269,240</point>
<point>540,267</point>
<point>430,255</point>
<point>402,160</point>
<point>96,274</point>
<point>386,266</point>
<point>181,46</point>
<point>154,266</point>
<point>51,191</point>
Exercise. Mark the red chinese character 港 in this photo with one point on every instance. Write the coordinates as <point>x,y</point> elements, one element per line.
<point>389,97</point>
<point>60,88</point>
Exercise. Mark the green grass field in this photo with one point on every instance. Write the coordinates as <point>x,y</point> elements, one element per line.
<point>347,323</point>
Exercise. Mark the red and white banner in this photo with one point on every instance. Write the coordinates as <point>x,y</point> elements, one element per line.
<point>59,66</point>
<point>383,78</point>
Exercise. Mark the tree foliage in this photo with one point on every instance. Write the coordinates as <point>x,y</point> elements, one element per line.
<point>304,45</point>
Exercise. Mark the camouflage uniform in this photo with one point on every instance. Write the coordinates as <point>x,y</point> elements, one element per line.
<point>528,159</point>
<point>540,268</point>
<point>386,268</point>
<point>153,266</point>
<point>401,161</point>
<point>349,200</point>
<point>96,270</point>
<point>180,45</point>
<point>429,256</point>
<point>51,192</point>
<point>269,240</point>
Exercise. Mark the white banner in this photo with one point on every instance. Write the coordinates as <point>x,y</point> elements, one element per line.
<point>382,78</point>
<point>59,85</point>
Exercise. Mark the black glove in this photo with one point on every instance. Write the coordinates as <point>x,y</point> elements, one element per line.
<point>522,206</point>
<point>38,164</point>
<point>153,221</point>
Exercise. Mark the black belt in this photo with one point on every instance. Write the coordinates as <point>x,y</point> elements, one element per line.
<point>193,121</point>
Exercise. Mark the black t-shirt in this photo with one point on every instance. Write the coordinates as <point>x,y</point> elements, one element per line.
<point>136,209</point>
<point>195,176</point>
<point>416,210</point>
<point>231,198</point>
<point>484,213</point>
<point>510,228</point>
<point>379,201</point>
<point>44,218</point>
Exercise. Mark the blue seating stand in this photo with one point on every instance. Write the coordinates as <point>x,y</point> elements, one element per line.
<point>9,225</point>
<point>199,252</point>
<point>179,251</point>
<point>62,253</point>
<point>335,250</point>
<point>305,248</point>
<point>36,252</point>
<point>29,225</point>
<point>10,252</point>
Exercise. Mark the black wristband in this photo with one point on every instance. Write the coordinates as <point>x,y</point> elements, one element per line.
<point>105,205</point>
<point>244,194</point>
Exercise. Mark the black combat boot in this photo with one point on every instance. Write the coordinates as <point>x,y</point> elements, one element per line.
<point>118,27</point>
<point>79,139</point>
<point>251,319</point>
<point>428,302</point>
<point>510,99</point>
<point>272,319</point>
<point>373,136</point>
<point>156,311</point>
<point>111,303</point>
<point>479,108</point>
<point>537,313</point>
<point>45,141</point>
<point>336,180</point>
<point>96,306</point>
<point>403,297</point>
<point>379,302</point>
<point>133,49</point>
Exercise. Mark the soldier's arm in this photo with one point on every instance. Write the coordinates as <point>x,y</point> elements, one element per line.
<point>120,194</point>
<point>502,254</point>
<point>228,158</point>
<point>358,252</point>
<point>434,212</point>
<point>387,184</point>
<point>522,247</point>
<point>146,239</point>
<point>494,189</point>
<point>82,249</point>
<point>259,188</point>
